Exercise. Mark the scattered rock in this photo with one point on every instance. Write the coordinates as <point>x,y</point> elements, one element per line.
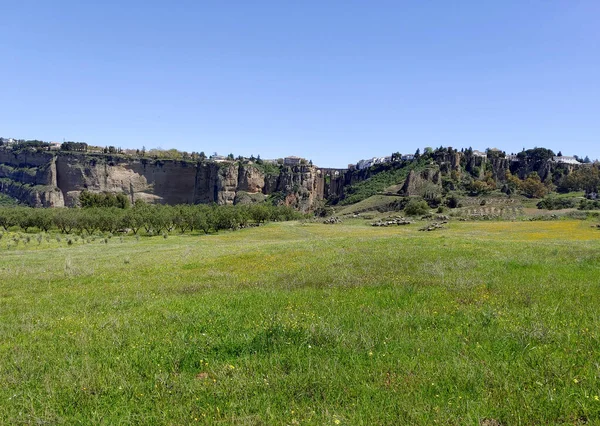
<point>433,226</point>
<point>392,221</point>
<point>490,422</point>
<point>332,220</point>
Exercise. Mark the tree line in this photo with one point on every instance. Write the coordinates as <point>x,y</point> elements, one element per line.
<point>142,217</point>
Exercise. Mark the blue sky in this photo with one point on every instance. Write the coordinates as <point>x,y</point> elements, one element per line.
<point>333,81</point>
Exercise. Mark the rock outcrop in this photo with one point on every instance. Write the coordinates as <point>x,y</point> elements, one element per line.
<point>56,179</point>
<point>419,183</point>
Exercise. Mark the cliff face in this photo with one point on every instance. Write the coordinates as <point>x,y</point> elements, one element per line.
<point>417,183</point>
<point>30,177</point>
<point>56,180</point>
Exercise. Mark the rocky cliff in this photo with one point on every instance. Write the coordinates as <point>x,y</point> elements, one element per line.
<point>56,179</point>
<point>46,178</point>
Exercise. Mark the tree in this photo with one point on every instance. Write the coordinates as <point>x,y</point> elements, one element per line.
<point>65,220</point>
<point>25,218</point>
<point>132,219</point>
<point>582,179</point>
<point>533,187</point>
<point>259,213</point>
<point>202,218</point>
<point>74,146</point>
<point>104,199</point>
<point>478,187</point>
<point>513,182</point>
<point>8,217</point>
<point>42,219</point>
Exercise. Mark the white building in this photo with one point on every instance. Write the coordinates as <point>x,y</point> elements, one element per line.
<point>365,164</point>
<point>565,160</point>
<point>217,158</point>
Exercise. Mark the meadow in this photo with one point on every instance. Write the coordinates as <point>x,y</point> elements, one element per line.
<point>481,323</point>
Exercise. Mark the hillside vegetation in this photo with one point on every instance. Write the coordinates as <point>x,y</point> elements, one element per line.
<point>6,201</point>
<point>296,323</point>
<point>378,182</point>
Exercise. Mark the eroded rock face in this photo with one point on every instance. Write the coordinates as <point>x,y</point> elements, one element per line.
<point>57,179</point>
<point>227,181</point>
<point>34,196</point>
<point>416,183</point>
<point>250,179</point>
<point>302,186</point>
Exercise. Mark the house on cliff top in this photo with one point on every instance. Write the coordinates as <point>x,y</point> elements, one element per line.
<point>293,161</point>
<point>565,160</point>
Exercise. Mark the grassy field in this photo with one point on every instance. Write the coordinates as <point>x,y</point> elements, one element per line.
<point>481,323</point>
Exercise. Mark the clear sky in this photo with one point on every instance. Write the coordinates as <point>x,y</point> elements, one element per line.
<point>332,81</point>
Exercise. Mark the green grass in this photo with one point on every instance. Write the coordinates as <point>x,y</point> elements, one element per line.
<point>374,203</point>
<point>305,324</point>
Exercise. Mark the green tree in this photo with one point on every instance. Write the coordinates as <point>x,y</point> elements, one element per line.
<point>25,218</point>
<point>42,219</point>
<point>8,217</point>
<point>132,219</point>
<point>533,187</point>
<point>65,219</point>
<point>582,179</point>
<point>259,213</point>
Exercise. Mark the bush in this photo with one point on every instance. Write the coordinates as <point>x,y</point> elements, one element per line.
<point>589,205</point>
<point>453,202</point>
<point>416,207</point>
<point>105,199</point>
<point>554,203</point>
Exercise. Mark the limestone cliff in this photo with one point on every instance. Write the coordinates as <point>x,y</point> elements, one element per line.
<point>56,180</point>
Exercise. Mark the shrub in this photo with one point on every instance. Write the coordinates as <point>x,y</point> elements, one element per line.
<point>554,203</point>
<point>589,205</point>
<point>416,207</point>
<point>453,201</point>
